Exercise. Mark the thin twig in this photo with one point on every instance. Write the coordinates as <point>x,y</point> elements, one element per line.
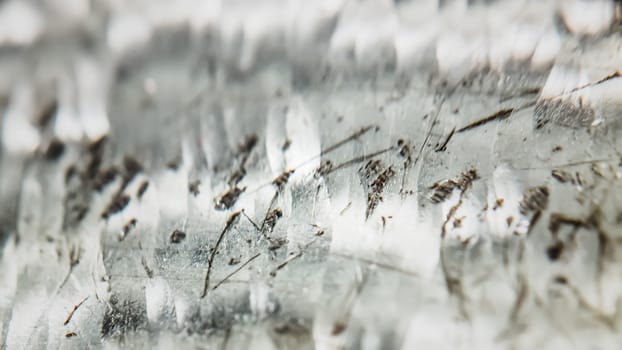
<point>525,92</point>
<point>345,208</point>
<point>571,164</point>
<point>329,149</point>
<point>499,115</point>
<point>335,146</point>
<point>287,261</point>
<point>148,271</point>
<point>250,220</point>
<point>427,137</point>
<point>376,264</point>
<point>230,222</point>
<point>443,146</point>
<point>236,270</point>
<point>354,136</point>
<point>75,308</point>
<point>613,75</point>
<point>293,256</point>
<point>359,159</point>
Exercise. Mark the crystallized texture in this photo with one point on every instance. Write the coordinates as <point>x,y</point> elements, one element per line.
<point>310,174</point>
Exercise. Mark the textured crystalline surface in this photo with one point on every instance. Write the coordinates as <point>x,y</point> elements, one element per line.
<point>310,174</point>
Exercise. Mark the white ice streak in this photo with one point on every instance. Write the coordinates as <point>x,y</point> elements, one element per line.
<point>159,300</point>
<point>66,124</point>
<point>587,17</point>
<point>409,241</point>
<point>261,301</point>
<point>93,90</point>
<point>20,23</point>
<point>276,138</point>
<point>404,239</point>
<point>205,15</point>
<point>546,50</point>
<point>303,132</point>
<point>19,135</point>
<point>172,192</point>
<point>128,32</point>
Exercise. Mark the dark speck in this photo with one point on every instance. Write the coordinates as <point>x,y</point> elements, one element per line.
<point>286,145</point>
<point>80,212</point>
<point>177,236</point>
<point>131,167</point>
<point>193,187</point>
<point>555,251</point>
<point>127,228</point>
<point>46,114</point>
<point>174,163</point>
<point>338,328</point>
<point>104,177</point>
<point>54,150</point>
<point>236,176</point>
<point>118,203</point>
<point>561,280</point>
<point>141,190</point>
<point>97,147</point>
<point>248,144</point>
<point>93,166</point>
<point>70,173</point>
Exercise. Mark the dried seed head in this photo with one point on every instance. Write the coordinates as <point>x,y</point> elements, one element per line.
<point>228,199</point>
<point>562,176</point>
<point>498,203</point>
<point>534,199</point>
<point>282,179</point>
<point>271,219</point>
<point>323,169</point>
<point>443,189</point>
<point>466,178</point>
